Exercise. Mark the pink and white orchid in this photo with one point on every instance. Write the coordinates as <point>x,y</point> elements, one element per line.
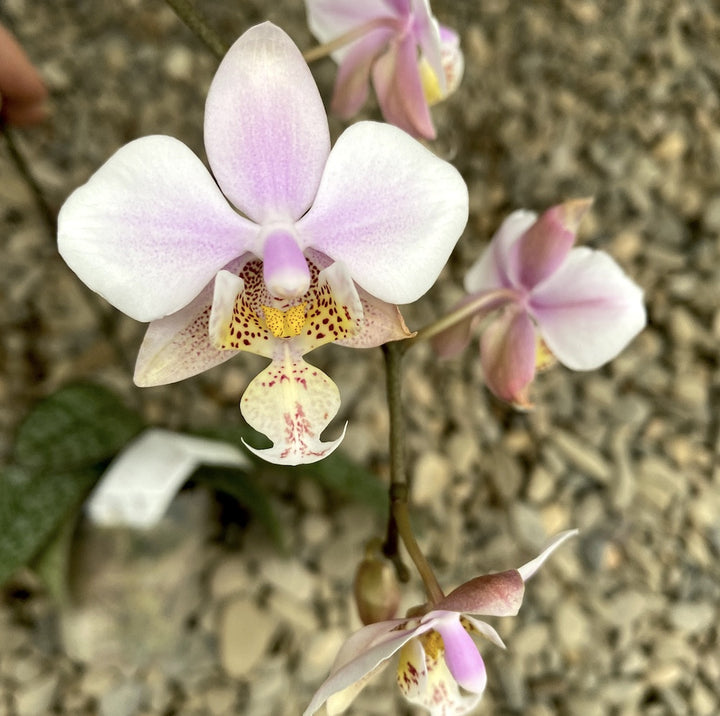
<point>579,301</point>
<point>414,61</point>
<point>440,666</point>
<point>326,241</point>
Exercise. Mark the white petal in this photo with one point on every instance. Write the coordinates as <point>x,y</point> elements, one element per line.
<point>389,209</point>
<point>150,229</point>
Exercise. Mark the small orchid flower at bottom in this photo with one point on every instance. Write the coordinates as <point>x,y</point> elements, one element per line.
<point>440,667</point>
<point>549,301</point>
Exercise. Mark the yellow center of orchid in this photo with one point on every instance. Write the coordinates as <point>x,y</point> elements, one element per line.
<point>285,324</point>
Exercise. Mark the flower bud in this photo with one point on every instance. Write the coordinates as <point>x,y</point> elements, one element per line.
<point>376,589</point>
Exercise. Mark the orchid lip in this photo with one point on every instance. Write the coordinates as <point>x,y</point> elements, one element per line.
<point>285,268</point>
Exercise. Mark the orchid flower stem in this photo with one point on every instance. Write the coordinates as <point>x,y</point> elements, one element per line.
<point>399,520</point>
<point>192,18</point>
<point>317,53</point>
<point>482,305</point>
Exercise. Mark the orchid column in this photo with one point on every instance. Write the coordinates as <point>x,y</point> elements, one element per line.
<point>294,247</point>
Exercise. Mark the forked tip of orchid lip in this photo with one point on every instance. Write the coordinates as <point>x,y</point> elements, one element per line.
<point>571,212</point>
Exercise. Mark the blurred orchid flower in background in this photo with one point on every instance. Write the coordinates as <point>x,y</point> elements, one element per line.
<point>440,666</point>
<point>331,239</point>
<point>576,305</point>
<point>413,61</point>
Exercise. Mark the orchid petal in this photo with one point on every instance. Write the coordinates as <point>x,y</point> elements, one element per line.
<point>399,89</point>
<point>544,246</point>
<point>266,133</point>
<point>588,310</point>
<point>497,595</point>
<point>389,209</point>
<point>178,346</point>
<point>353,78</point>
<point>381,323</point>
<point>381,647</point>
<point>496,268</point>
<point>338,702</point>
<point>484,629</point>
<point>292,403</point>
<point>529,568</point>
<point>143,479</point>
<point>507,355</point>
<point>150,229</point>
<point>462,656</point>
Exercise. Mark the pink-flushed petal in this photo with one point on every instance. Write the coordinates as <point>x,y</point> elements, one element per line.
<point>545,245</point>
<point>398,86</point>
<point>484,629</point>
<point>588,310</point>
<point>427,35</point>
<point>292,403</point>
<point>529,568</point>
<point>389,209</point>
<point>381,647</point>
<point>266,133</point>
<point>495,595</point>
<point>329,19</point>
<point>150,229</point>
<point>352,82</point>
<point>507,355</point>
<point>178,346</point>
<point>462,656</point>
<point>494,268</point>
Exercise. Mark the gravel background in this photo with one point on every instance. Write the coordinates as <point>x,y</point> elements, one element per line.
<point>618,100</point>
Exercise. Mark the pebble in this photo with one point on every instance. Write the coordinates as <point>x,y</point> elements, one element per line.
<point>585,457</point>
<point>244,635</point>
<point>431,477</point>
<point>35,698</point>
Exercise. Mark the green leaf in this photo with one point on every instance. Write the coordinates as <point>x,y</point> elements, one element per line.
<point>76,427</point>
<point>238,484</point>
<point>33,504</point>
